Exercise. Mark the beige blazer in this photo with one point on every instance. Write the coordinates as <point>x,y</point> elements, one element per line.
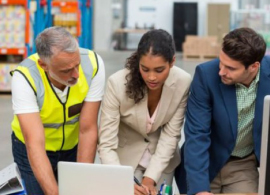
<point>122,132</point>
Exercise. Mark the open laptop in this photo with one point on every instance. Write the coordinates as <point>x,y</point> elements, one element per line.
<point>264,178</point>
<point>85,178</point>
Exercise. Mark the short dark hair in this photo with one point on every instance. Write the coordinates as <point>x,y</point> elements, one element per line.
<point>156,42</point>
<point>244,45</point>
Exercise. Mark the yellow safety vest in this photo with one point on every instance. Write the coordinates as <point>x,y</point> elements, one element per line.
<point>60,120</point>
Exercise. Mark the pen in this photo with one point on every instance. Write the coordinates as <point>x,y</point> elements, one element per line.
<point>161,187</point>
<point>137,181</point>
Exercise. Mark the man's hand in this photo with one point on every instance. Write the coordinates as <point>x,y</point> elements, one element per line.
<point>150,184</point>
<point>204,193</point>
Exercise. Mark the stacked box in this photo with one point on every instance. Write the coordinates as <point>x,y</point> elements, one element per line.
<point>200,47</point>
<point>5,78</point>
<point>12,26</point>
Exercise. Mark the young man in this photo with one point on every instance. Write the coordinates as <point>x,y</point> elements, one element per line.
<point>224,118</point>
<point>56,95</point>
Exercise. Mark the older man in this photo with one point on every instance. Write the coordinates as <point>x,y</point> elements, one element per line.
<point>56,95</point>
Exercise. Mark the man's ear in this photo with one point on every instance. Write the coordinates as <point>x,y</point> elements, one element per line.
<point>173,61</point>
<point>43,65</point>
<point>254,67</point>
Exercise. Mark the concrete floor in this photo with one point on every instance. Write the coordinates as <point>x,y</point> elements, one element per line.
<point>113,61</point>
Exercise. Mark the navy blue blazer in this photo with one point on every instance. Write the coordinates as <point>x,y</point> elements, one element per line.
<point>211,126</point>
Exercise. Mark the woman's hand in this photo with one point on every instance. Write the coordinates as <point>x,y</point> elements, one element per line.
<point>150,185</point>
<point>140,190</point>
<point>204,193</point>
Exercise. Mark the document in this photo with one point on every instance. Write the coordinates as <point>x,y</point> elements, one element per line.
<point>10,180</point>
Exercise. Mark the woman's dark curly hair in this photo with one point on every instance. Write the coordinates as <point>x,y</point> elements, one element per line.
<point>155,42</point>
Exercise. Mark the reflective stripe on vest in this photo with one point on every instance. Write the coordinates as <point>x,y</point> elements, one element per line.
<point>58,125</point>
<point>60,120</point>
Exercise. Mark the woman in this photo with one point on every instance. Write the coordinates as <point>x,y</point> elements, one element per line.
<point>143,111</point>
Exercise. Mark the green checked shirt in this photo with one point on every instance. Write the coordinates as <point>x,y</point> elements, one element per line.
<point>246,97</point>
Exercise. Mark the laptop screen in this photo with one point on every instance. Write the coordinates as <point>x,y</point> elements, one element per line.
<point>85,178</point>
<point>264,178</point>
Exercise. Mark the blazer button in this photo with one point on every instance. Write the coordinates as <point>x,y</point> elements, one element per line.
<point>146,140</point>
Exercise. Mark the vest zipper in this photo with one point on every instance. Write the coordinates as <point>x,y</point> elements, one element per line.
<point>63,142</point>
<point>64,109</point>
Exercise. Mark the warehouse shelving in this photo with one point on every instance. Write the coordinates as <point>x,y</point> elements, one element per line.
<point>68,17</point>
<point>13,2</point>
<point>14,35</point>
<point>85,40</point>
<point>78,18</point>
<point>13,51</point>
<point>45,16</point>
<point>23,50</point>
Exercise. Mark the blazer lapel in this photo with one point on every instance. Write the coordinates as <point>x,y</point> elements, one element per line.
<point>229,98</point>
<point>262,91</point>
<point>141,115</point>
<point>165,101</point>
<point>142,106</point>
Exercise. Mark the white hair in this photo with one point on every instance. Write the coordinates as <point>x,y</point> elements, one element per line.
<point>54,40</point>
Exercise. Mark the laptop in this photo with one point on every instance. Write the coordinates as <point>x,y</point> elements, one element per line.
<point>85,178</point>
<point>264,174</point>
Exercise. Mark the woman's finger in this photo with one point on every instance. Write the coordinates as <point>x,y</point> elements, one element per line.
<point>140,190</point>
